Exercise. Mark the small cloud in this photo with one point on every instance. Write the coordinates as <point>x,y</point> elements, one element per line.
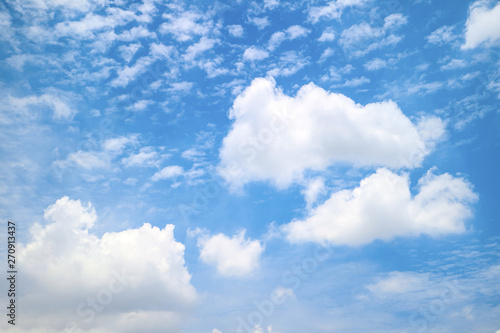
<point>183,86</point>
<point>140,105</point>
<point>296,31</point>
<point>168,172</point>
<point>116,145</point>
<point>160,51</point>
<point>128,51</point>
<point>236,256</point>
<point>130,181</point>
<point>327,36</point>
<point>356,82</point>
<point>399,283</point>
<point>89,160</point>
<point>375,64</point>
<point>184,26</point>
<point>313,190</point>
<point>333,10</point>
<point>260,22</point>
<point>146,157</point>
<point>95,113</point>
<point>454,64</point>
<point>443,35</point>
<point>235,30</point>
<point>327,53</point>
<point>204,44</point>
<point>253,54</point>
<point>291,33</point>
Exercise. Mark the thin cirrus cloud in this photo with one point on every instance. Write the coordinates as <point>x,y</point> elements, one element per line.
<point>382,207</point>
<point>23,107</point>
<point>101,158</point>
<point>276,138</point>
<point>363,38</point>
<point>137,276</point>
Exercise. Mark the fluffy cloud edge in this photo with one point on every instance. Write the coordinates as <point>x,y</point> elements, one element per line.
<point>276,138</point>
<point>382,207</point>
<point>483,25</point>
<point>127,277</point>
<point>233,257</point>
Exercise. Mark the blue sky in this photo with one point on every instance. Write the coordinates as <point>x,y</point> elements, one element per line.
<point>252,166</point>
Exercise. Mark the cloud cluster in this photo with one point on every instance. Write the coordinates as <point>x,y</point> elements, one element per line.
<point>115,282</point>
<point>382,207</point>
<point>277,138</point>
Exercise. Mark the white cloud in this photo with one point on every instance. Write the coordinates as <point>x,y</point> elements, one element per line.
<point>128,51</point>
<point>234,256</point>
<point>90,160</point>
<point>134,34</point>
<point>130,73</point>
<point>291,33</point>
<point>375,64</point>
<point>313,190</point>
<point>454,64</point>
<point>327,53</point>
<point>183,86</point>
<point>254,53</point>
<point>399,283</point>
<point>140,105</point>
<point>276,39</point>
<point>296,31</point>
<point>260,22</point>
<point>289,63</point>
<point>327,36</point>
<point>55,101</point>
<point>442,35</point>
<point>168,172</point>
<point>358,39</point>
<point>333,10</point>
<point>276,137</point>
<point>356,82</point>
<point>483,25</point>
<point>271,4</point>
<point>394,21</point>
<point>91,23</point>
<point>146,157</point>
<point>116,145</point>
<point>382,207</point>
<point>185,25</point>
<point>204,44</point>
<point>159,50</point>
<point>130,181</point>
<point>102,158</point>
<point>235,30</point>
<point>135,276</point>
